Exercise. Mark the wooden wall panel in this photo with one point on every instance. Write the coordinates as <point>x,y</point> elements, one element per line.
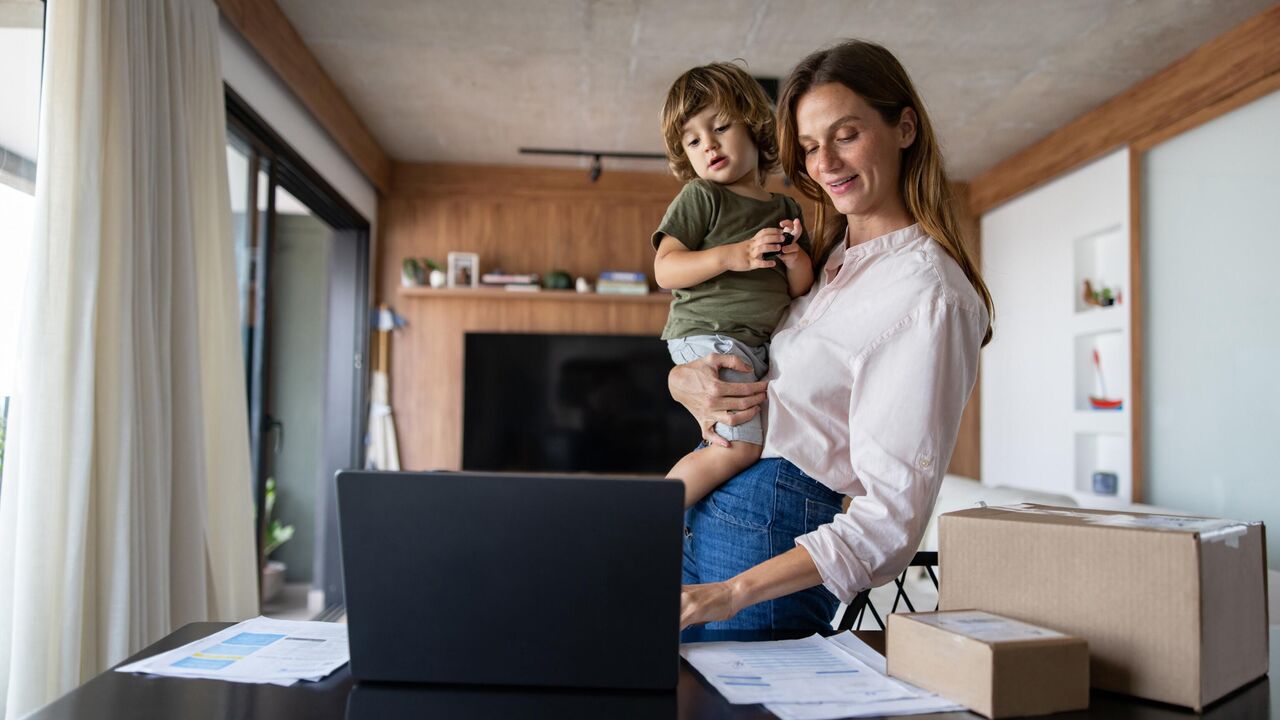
<point>1212,72</point>
<point>524,220</point>
<point>427,358</point>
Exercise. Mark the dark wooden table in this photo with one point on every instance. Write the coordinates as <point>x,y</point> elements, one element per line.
<point>121,696</point>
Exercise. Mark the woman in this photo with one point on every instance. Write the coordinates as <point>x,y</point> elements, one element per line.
<point>871,369</point>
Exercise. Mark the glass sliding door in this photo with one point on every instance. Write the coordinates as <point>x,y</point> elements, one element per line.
<point>302,259</point>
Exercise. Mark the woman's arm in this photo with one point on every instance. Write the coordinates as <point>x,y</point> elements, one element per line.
<point>789,572</point>
<point>904,413</point>
<point>697,386</point>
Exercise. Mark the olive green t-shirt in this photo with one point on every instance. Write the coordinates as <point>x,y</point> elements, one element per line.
<point>745,306</point>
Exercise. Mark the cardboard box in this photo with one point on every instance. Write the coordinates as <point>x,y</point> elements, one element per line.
<point>992,665</point>
<point>1173,608</point>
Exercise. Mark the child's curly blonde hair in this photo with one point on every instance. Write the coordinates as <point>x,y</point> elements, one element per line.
<point>736,95</point>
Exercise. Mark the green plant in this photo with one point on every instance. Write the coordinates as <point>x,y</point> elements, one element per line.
<point>277,532</point>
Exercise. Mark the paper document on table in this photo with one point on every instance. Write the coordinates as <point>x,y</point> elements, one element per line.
<point>918,703</point>
<point>261,650</point>
<point>810,669</point>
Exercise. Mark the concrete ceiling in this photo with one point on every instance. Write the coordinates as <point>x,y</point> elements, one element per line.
<point>471,81</point>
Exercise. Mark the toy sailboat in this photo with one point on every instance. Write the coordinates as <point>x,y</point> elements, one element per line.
<point>1102,402</point>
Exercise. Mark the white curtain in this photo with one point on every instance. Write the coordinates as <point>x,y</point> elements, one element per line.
<point>125,507</point>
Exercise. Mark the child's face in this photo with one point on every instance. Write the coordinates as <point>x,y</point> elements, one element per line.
<point>720,150</point>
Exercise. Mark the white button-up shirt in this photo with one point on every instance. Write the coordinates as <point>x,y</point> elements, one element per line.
<point>869,374</point>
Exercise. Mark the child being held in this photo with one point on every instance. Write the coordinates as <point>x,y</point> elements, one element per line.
<point>725,247</point>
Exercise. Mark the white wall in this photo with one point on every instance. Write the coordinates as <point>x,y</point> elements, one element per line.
<point>1037,372</point>
<point>245,72</point>
<point>1211,249</point>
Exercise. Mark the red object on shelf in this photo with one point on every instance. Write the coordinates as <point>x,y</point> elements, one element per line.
<point>1105,403</point>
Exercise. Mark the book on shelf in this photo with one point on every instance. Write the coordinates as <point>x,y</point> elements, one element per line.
<point>522,287</point>
<point>605,287</point>
<point>501,278</point>
<point>621,276</point>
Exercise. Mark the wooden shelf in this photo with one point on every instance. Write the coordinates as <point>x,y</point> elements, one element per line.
<point>653,298</point>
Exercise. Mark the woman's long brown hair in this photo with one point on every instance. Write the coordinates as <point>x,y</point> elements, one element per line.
<point>878,78</point>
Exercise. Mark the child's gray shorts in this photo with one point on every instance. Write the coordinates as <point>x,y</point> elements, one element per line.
<point>691,348</point>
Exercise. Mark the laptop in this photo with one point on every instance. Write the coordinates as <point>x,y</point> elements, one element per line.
<point>511,579</point>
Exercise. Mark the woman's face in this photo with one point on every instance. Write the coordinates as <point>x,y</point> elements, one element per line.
<point>851,151</point>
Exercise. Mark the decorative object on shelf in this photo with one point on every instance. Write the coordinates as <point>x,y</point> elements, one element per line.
<point>416,272</point>
<point>1105,483</point>
<point>1104,297</point>
<point>1102,402</point>
<point>464,270</point>
<point>278,534</point>
<point>557,280</point>
<point>436,278</point>
<point>582,285</point>
<point>410,273</point>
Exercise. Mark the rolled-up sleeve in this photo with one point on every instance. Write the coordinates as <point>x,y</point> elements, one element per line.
<point>909,389</point>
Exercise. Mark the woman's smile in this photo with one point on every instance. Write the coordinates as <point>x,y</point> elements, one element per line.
<point>841,186</point>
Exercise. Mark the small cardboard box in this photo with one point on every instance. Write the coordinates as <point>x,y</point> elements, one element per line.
<point>1173,608</point>
<point>993,665</point>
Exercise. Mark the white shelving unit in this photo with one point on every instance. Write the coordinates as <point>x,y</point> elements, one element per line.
<point>1040,429</point>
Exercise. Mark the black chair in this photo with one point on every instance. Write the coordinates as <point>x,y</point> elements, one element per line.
<point>853,614</point>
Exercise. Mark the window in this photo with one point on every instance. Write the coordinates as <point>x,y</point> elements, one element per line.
<point>21,45</point>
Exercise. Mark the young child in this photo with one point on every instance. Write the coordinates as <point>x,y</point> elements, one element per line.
<point>725,247</point>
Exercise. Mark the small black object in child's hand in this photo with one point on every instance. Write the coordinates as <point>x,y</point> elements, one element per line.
<point>787,239</point>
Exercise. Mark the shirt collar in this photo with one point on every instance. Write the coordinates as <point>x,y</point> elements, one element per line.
<point>897,238</point>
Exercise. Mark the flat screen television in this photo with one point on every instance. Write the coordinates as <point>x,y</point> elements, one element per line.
<point>570,403</point>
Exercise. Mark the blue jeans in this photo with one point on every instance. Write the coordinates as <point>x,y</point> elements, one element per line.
<point>754,516</point>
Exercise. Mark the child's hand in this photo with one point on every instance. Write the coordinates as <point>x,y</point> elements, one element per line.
<point>749,254</point>
<point>791,253</point>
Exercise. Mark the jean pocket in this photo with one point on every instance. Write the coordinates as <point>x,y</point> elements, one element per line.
<point>746,500</point>
<point>817,514</point>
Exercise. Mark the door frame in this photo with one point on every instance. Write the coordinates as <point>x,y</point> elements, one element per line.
<point>287,169</point>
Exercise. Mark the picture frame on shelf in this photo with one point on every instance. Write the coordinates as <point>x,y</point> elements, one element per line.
<point>464,270</point>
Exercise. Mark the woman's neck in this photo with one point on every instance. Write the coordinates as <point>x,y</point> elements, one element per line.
<point>870,226</point>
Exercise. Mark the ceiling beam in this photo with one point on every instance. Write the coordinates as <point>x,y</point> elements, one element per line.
<point>268,31</point>
<point>1214,71</point>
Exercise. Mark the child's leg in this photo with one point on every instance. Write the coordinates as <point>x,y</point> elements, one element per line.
<point>706,469</point>
<point>703,470</point>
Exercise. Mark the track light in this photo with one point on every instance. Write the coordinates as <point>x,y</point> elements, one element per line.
<point>597,166</point>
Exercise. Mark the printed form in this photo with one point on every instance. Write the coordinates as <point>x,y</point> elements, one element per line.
<point>261,650</point>
<point>811,679</point>
<point>786,671</point>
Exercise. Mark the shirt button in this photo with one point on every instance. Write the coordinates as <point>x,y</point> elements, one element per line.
<point>925,462</point>
<point>804,322</point>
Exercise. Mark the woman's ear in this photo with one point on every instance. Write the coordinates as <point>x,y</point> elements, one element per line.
<point>907,122</point>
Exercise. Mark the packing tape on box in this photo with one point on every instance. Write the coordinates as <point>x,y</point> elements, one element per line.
<point>1209,529</point>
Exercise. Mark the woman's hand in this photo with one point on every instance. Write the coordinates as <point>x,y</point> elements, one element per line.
<point>749,254</point>
<point>697,386</point>
<point>706,603</point>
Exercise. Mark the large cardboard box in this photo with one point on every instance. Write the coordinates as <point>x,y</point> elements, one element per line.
<point>993,665</point>
<point>1173,608</point>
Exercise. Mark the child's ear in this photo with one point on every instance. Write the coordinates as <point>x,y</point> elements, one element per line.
<point>907,128</point>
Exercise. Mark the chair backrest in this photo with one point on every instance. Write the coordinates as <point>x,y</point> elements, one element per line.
<point>853,614</point>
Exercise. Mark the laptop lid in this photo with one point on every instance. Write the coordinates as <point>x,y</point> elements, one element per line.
<point>512,579</point>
